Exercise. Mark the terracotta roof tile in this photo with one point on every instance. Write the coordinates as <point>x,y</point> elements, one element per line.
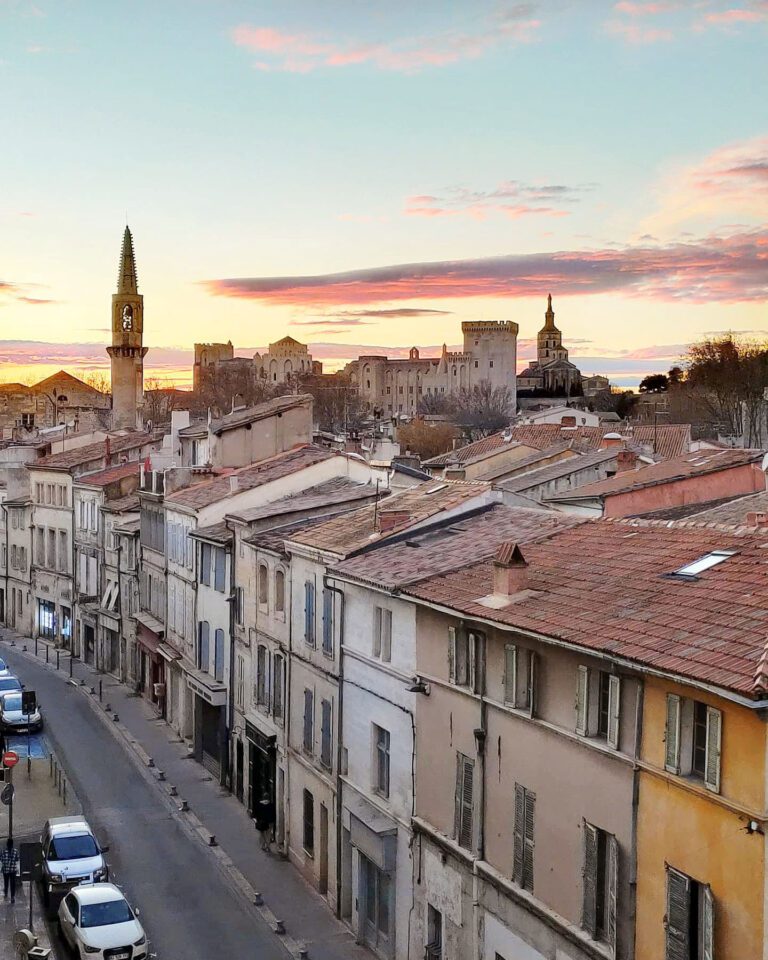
<point>611,586</point>
<point>92,451</point>
<point>102,478</point>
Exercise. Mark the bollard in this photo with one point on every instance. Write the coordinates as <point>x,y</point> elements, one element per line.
<point>50,765</point>
<point>183,806</point>
<point>258,900</point>
<point>303,952</point>
<point>150,762</point>
<point>57,657</point>
<point>99,691</point>
<point>108,708</point>
<point>173,792</point>
<point>65,793</point>
<point>46,653</point>
<point>24,648</point>
<point>70,666</point>
<point>35,646</point>
<point>115,717</point>
<point>160,775</point>
<point>279,927</point>
<point>212,841</point>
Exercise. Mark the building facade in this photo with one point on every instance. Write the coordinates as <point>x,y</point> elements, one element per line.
<point>127,351</point>
<point>551,372</point>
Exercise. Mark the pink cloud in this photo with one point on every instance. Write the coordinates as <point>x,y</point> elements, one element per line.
<point>304,52</point>
<point>644,9</point>
<point>736,15</point>
<point>511,198</point>
<point>635,34</point>
<point>714,268</point>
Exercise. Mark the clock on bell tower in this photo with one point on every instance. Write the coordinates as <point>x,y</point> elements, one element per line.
<point>127,350</point>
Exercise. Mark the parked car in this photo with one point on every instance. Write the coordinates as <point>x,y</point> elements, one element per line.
<point>96,921</point>
<point>12,720</point>
<point>71,855</point>
<point>8,683</point>
<point>4,671</point>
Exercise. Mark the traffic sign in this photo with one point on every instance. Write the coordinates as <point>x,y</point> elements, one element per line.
<point>6,796</point>
<point>28,701</point>
<point>10,758</point>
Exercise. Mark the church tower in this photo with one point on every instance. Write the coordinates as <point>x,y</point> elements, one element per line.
<point>127,351</point>
<point>550,340</point>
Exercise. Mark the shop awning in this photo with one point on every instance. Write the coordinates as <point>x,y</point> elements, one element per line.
<point>204,685</point>
<point>168,652</point>
<point>150,623</point>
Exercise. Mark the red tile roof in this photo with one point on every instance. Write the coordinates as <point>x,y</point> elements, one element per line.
<point>102,478</point>
<point>248,478</point>
<point>349,532</point>
<point>607,586</point>
<point>667,471</point>
<point>93,451</point>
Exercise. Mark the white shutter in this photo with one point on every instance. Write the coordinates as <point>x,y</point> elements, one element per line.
<point>707,923</point>
<point>714,736</point>
<point>531,683</point>
<point>386,639</point>
<point>582,700</point>
<point>589,880</point>
<point>672,736</point>
<point>452,654</point>
<point>377,631</point>
<point>519,834</point>
<point>510,674</point>
<point>614,706</point>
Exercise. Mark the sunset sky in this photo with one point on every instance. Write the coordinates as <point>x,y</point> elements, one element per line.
<point>369,174</point>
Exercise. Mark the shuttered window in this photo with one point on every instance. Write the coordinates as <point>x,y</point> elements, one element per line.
<point>693,740</point>
<point>510,674</point>
<point>672,734</point>
<point>678,918</point>
<point>325,733</point>
<point>525,818</point>
<point>600,874</point>
<point>520,678</point>
<point>714,735</point>
<point>309,613</point>
<point>582,700</point>
<point>309,720</point>
<point>614,706</point>
<point>463,815</point>
<point>328,622</point>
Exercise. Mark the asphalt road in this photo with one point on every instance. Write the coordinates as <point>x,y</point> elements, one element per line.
<point>186,907</point>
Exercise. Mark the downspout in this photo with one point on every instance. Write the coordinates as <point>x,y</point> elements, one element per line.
<point>226,774</point>
<point>480,742</point>
<point>635,807</point>
<point>123,665</point>
<point>339,747</point>
<point>7,561</point>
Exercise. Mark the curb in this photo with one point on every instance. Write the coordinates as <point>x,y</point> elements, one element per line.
<point>183,815</point>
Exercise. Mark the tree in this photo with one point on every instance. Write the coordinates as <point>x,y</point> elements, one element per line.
<point>675,375</point>
<point>483,409</point>
<point>98,380</point>
<point>235,382</point>
<point>654,383</point>
<point>161,398</point>
<point>426,440</point>
<point>728,376</point>
<point>436,403</point>
<point>338,407</point>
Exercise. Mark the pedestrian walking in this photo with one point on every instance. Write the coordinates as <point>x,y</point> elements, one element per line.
<point>264,818</point>
<point>10,864</point>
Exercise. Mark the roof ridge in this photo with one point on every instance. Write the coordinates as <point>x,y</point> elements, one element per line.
<point>740,528</point>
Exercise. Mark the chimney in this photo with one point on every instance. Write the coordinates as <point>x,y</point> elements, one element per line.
<point>107,450</point>
<point>611,440</point>
<point>625,460</point>
<point>568,420</point>
<point>510,570</point>
<point>234,483</point>
<point>757,520</point>
<point>390,519</point>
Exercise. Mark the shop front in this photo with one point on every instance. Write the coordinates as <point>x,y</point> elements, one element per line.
<point>46,619</point>
<point>151,683</point>
<point>210,722</point>
<point>261,766</point>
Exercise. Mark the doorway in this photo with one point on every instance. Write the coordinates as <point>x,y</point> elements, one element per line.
<point>376,891</point>
<point>323,878</point>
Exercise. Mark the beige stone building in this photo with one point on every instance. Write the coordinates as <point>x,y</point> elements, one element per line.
<point>551,372</point>
<point>127,351</point>
<point>285,360</point>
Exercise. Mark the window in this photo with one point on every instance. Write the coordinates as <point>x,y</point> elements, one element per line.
<point>263,584</point>
<point>308,741</point>
<point>277,687</point>
<point>205,563</point>
<point>309,613</point>
<point>598,704</point>
<point>240,682</point>
<point>261,675</point>
<point>325,733</point>
<point>519,677</point>
<point>434,948</point>
<point>280,591</point>
<point>690,926</point>
<point>220,570</point>
<point>382,633</point>
<point>218,655</point>
<point>463,810</point>
<point>490,363</point>
<point>599,884</point>
<point>704,563</point>
<point>381,760</point>
<point>40,533</point>
<point>203,645</point>
<point>465,651</point>
<point>50,560</point>
<point>309,823</point>
<point>693,740</point>
<point>239,606</point>
<point>328,622</point>
<point>63,551</point>
<point>525,815</point>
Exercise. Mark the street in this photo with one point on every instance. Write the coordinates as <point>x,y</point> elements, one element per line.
<point>185,905</point>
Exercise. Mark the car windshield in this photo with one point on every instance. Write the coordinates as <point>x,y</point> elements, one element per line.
<point>73,848</point>
<point>12,702</point>
<point>103,914</point>
<point>9,683</point>
<point>2,664</point>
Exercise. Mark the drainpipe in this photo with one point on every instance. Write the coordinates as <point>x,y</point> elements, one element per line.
<point>339,747</point>
<point>123,664</point>
<point>226,776</point>
<point>7,561</point>
<point>480,743</point>
<point>635,807</point>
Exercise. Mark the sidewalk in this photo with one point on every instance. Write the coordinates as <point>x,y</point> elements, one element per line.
<point>37,797</point>
<point>287,896</point>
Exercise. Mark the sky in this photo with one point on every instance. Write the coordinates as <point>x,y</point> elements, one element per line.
<point>364,175</point>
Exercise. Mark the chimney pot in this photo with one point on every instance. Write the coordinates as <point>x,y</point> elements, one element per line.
<point>389,519</point>
<point>756,519</point>
<point>626,460</point>
<point>510,570</point>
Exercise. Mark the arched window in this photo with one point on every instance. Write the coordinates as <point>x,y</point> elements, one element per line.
<point>280,591</point>
<point>263,584</point>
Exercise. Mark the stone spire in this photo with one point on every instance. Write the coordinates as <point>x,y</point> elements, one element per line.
<point>549,316</point>
<point>126,278</point>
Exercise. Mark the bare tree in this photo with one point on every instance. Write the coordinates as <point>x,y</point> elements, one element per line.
<point>98,380</point>
<point>224,385</point>
<point>483,409</point>
<point>426,440</point>
<point>337,407</point>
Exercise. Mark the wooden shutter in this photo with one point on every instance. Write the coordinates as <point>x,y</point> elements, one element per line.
<point>678,915</point>
<point>582,700</point>
<point>308,720</point>
<point>613,891</point>
<point>589,880</point>
<point>714,736</point>
<point>530,822</point>
<point>707,923</point>
<point>377,631</point>
<point>452,654</point>
<point>531,683</point>
<point>457,796</point>
<point>519,833</point>
<point>510,674</point>
<point>614,707</point>
<point>386,635</point>
<point>672,737</point>
<point>467,792</point>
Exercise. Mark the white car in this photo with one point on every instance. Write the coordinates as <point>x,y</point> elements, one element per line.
<point>4,671</point>
<point>96,922</point>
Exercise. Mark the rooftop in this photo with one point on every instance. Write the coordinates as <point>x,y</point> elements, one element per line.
<point>248,478</point>
<point>102,478</point>
<point>450,545</point>
<point>711,627</point>
<point>338,490</point>
<point>729,511</point>
<point>216,532</point>
<point>473,451</point>
<point>667,471</point>
<point>93,451</point>
<point>261,411</point>
<point>559,469</point>
<point>349,532</point>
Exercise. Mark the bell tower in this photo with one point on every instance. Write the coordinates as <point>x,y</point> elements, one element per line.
<point>127,351</point>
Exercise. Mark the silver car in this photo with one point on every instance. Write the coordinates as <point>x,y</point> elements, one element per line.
<point>71,855</point>
<point>12,720</point>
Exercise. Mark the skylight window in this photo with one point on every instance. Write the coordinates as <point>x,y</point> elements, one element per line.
<point>704,563</point>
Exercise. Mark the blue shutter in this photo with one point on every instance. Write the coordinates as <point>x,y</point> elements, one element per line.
<point>218,655</point>
<point>204,654</point>
<point>327,622</point>
<point>309,613</point>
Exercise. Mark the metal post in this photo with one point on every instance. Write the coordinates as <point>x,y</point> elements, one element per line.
<point>46,653</point>
<point>10,808</point>
<point>35,646</point>
<point>29,750</point>
<point>99,691</point>
<point>71,658</point>
<point>57,657</point>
